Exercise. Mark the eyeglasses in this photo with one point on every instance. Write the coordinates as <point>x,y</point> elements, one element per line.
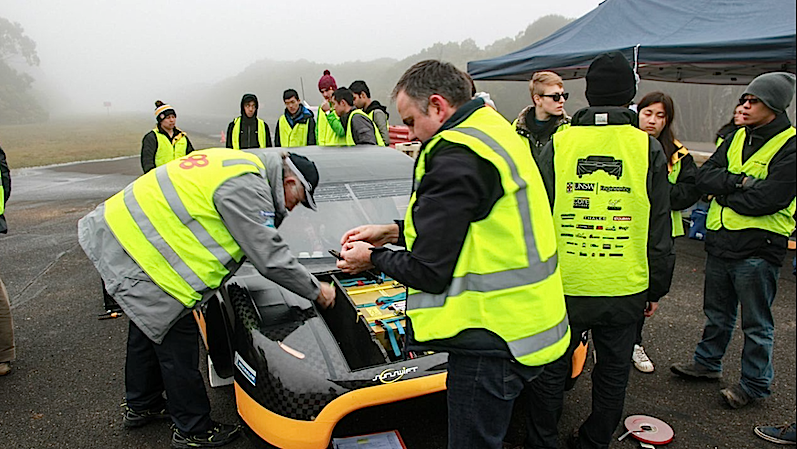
<point>752,101</point>
<point>557,96</point>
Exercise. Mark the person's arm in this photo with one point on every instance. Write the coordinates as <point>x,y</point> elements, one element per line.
<point>228,142</point>
<point>661,254</point>
<point>311,132</point>
<point>684,193</point>
<point>246,208</point>
<point>380,120</point>
<point>457,189</point>
<point>277,135</point>
<point>713,177</point>
<point>759,197</point>
<point>149,146</point>
<point>5,173</point>
<point>189,147</point>
<point>334,123</point>
<point>363,130</point>
<point>268,135</point>
<point>545,165</point>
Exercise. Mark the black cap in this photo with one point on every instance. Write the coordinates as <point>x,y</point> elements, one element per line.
<point>307,173</point>
<point>610,81</point>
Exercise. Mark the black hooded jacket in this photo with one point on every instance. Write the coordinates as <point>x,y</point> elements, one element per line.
<point>248,134</point>
<point>6,175</point>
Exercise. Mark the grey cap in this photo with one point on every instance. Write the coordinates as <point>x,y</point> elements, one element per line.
<point>775,89</point>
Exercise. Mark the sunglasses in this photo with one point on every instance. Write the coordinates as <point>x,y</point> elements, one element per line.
<point>752,101</point>
<point>557,96</point>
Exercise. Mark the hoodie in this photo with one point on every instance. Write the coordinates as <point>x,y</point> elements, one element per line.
<point>380,117</point>
<point>247,136</point>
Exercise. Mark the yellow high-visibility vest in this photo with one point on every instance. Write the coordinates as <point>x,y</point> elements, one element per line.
<point>236,134</point>
<point>350,135</point>
<point>169,150</point>
<point>295,136</point>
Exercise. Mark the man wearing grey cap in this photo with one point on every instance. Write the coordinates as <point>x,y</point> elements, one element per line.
<point>167,242</point>
<point>751,178</point>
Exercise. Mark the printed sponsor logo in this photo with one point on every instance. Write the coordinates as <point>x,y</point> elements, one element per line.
<point>594,236</point>
<point>615,255</point>
<point>623,228</point>
<point>581,203</point>
<point>594,218</point>
<point>568,216</point>
<point>581,235</point>
<point>245,369</point>
<point>610,228</point>
<point>583,254</point>
<point>585,186</point>
<point>568,226</point>
<point>607,246</point>
<point>569,187</point>
<point>614,205</point>
<point>621,218</point>
<point>602,254</point>
<point>599,228</point>
<point>389,376</point>
<point>571,252</point>
<point>613,189</point>
<point>624,237</point>
<point>583,226</point>
<point>608,238</point>
<point>592,245</point>
<point>571,243</point>
<point>618,246</point>
<point>566,234</point>
<point>268,218</point>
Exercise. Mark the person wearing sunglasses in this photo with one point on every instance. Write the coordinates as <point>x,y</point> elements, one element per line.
<point>751,176</point>
<point>537,122</point>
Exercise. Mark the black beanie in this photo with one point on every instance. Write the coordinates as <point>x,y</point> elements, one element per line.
<point>610,81</point>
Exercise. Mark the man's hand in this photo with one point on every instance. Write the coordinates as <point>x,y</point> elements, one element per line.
<point>326,297</point>
<point>356,257</point>
<point>650,309</point>
<point>377,235</point>
<point>325,106</point>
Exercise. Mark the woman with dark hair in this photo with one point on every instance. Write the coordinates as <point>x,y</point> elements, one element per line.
<point>656,115</point>
<point>733,124</point>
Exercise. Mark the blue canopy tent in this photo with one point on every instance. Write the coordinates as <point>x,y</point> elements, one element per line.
<point>691,41</point>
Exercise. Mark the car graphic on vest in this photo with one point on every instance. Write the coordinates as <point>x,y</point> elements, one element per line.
<point>297,369</point>
<point>612,166</point>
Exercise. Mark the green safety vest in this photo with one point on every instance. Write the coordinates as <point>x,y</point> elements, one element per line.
<point>167,222</point>
<point>169,150</point>
<point>295,136</point>
<point>236,134</point>
<point>506,278</point>
<point>601,209</point>
<point>757,166</point>
<point>675,170</point>
<point>350,135</point>
<point>325,134</point>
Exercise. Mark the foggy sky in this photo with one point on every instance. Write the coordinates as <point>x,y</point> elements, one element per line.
<point>128,52</point>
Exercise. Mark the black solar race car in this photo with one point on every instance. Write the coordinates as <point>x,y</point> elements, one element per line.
<point>591,164</point>
<point>298,369</point>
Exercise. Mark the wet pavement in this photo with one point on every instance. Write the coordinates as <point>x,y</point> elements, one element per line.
<point>68,381</point>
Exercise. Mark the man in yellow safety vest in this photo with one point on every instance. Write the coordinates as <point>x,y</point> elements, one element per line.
<point>247,131</point>
<point>165,142</point>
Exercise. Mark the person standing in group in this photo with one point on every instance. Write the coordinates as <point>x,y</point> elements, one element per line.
<point>360,130</point>
<point>656,115</point>
<point>750,218</point>
<point>7,349</point>
<point>167,242</point>
<point>480,253</point>
<point>248,131</point>
<point>373,108</point>
<point>546,115</point>
<point>329,130</point>
<point>729,128</point>
<point>296,126</point>
<point>607,181</point>
<point>165,142</point>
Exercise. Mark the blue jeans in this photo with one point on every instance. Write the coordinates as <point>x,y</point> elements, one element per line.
<point>481,393</point>
<point>752,283</point>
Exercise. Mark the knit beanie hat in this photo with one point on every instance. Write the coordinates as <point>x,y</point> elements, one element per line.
<point>163,110</point>
<point>775,89</point>
<point>610,81</point>
<point>327,81</point>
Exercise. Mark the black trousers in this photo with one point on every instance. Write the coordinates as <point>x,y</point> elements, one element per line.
<point>613,346</point>
<point>173,367</point>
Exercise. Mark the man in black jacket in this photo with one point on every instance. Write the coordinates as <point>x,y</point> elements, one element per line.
<point>7,351</point>
<point>607,181</point>
<point>751,178</point>
<point>248,131</point>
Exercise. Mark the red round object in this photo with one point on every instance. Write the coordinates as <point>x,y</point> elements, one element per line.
<point>660,433</point>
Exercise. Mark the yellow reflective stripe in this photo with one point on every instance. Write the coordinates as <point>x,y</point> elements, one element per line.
<point>159,242</point>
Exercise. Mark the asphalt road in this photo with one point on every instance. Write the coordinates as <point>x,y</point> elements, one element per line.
<point>68,381</point>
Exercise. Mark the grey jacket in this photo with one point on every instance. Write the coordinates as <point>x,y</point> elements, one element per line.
<point>246,204</point>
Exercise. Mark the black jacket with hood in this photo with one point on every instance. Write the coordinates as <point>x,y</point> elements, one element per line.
<point>248,134</point>
<point>6,175</point>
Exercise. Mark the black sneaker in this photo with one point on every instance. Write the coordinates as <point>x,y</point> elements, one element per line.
<point>219,435</point>
<point>133,419</point>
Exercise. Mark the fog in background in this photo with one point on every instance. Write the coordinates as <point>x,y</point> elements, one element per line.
<point>132,53</point>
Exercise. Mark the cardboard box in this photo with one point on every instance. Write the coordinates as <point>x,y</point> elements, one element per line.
<point>383,440</point>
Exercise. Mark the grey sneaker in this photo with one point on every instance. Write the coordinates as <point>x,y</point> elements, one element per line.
<point>219,435</point>
<point>133,419</point>
<point>736,396</point>
<point>695,370</point>
<point>778,434</point>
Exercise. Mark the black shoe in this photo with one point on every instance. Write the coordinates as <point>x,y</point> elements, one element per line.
<point>219,435</point>
<point>735,396</point>
<point>134,419</point>
<point>572,441</point>
<point>695,370</point>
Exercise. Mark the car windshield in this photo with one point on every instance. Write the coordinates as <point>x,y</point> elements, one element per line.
<point>342,206</point>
